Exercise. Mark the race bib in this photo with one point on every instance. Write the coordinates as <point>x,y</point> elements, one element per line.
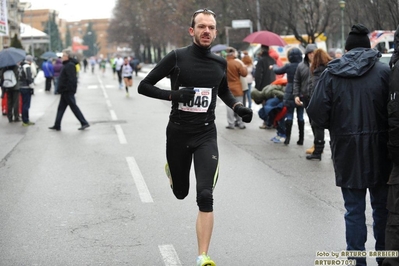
<point>200,103</point>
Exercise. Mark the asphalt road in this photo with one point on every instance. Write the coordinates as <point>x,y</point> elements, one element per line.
<point>100,196</point>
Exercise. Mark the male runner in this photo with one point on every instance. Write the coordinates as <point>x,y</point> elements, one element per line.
<point>197,77</point>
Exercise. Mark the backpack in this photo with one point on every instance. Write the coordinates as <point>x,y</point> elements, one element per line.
<point>9,79</point>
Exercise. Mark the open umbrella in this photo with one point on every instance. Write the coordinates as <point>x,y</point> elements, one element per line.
<point>11,56</point>
<point>265,37</point>
<point>218,48</point>
<point>48,55</point>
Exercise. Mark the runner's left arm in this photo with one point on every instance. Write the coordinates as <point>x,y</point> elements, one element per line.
<point>225,94</point>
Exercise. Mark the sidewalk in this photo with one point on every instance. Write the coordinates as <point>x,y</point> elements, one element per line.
<point>12,133</point>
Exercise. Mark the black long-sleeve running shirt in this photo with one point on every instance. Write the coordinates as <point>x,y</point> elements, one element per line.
<point>191,67</point>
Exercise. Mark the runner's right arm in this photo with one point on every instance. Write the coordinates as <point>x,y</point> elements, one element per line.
<point>161,70</point>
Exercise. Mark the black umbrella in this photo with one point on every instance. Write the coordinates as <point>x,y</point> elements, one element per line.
<point>11,56</point>
<point>48,55</point>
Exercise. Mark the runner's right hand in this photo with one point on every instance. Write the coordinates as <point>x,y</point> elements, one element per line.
<point>183,95</point>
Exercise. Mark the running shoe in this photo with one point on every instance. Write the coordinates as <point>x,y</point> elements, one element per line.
<point>205,260</point>
<point>167,171</point>
<point>28,124</point>
<point>279,139</point>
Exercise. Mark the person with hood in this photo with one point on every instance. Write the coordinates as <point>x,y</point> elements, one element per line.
<point>57,71</point>
<point>48,71</point>
<point>294,56</point>
<point>67,86</point>
<point>392,229</point>
<point>301,91</point>
<point>350,100</point>
<point>274,54</point>
<point>263,74</point>
<point>273,110</point>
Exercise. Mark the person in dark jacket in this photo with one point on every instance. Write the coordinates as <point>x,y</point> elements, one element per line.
<point>67,86</point>
<point>301,89</point>
<point>263,74</point>
<point>350,100</point>
<point>294,57</point>
<point>392,229</point>
<point>11,94</point>
<point>25,80</point>
<point>319,64</point>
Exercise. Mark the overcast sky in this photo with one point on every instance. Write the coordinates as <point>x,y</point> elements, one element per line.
<point>77,9</point>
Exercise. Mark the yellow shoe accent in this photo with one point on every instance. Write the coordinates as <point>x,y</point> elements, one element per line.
<point>205,260</point>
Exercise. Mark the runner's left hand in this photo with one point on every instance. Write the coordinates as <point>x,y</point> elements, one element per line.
<point>244,112</point>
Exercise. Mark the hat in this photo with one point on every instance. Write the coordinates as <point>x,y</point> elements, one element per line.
<point>310,48</point>
<point>231,51</point>
<point>29,58</point>
<point>358,37</point>
<point>338,51</point>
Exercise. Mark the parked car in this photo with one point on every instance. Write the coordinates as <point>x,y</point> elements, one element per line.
<point>385,58</point>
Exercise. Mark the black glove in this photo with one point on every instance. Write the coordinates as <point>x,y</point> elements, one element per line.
<point>183,95</point>
<point>244,112</point>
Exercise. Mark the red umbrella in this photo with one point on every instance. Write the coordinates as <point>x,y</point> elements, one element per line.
<point>265,37</point>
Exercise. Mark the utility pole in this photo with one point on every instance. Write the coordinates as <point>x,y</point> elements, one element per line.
<point>258,15</point>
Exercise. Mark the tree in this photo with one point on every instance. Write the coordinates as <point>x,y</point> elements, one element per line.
<point>68,38</point>
<point>90,39</point>
<point>15,42</point>
<point>51,28</point>
<point>153,27</point>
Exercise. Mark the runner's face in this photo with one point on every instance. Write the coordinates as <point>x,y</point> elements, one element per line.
<point>204,31</point>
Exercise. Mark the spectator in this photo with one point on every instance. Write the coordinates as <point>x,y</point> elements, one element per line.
<point>351,101</point>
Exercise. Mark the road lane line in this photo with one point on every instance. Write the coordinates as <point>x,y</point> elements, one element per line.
<point>113,115</point>
<point>102,87</point>
<point>121,135</point>
<point>142,188</point>
<point>169,255</point>
<point>108,103</point>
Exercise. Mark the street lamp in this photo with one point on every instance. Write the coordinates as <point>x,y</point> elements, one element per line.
<point>342,6</point>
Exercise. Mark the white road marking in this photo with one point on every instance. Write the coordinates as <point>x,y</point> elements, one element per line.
<point>102,87</point>
<point>121,135</point>
<point>92,87</point>
<point>169,255</point>
<point>110,86</point>
<point>142,188</point>
<point>113,115</point>
<point>108,103</point>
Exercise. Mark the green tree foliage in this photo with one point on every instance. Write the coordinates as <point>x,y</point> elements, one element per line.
<point>68,38</point>
<point>15,42</point>
<point>51,28</point>
<point>90,39</point>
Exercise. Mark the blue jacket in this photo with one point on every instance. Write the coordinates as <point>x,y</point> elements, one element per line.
<point>48,69</point>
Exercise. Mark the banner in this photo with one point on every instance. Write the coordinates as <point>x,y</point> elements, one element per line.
<point>3,18</point>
